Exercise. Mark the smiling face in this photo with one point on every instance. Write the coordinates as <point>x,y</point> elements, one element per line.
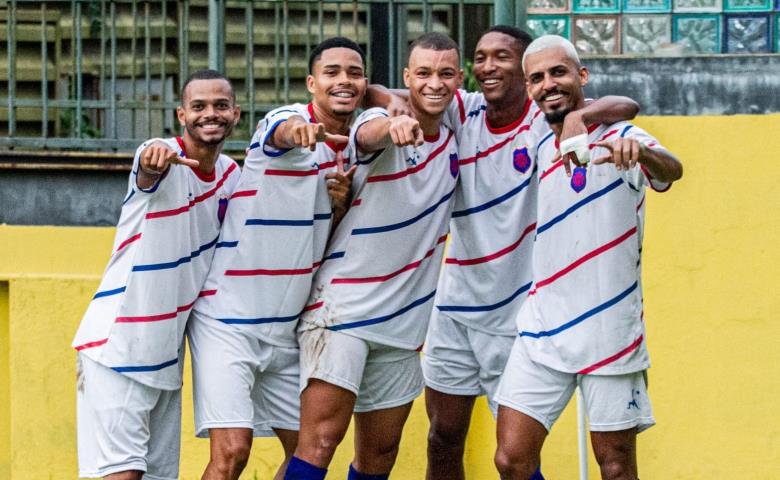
<point>208,112</point>
<point>498,69</point>
<point>338,81</point>
<point>432,78</point>
<point>554,81</point>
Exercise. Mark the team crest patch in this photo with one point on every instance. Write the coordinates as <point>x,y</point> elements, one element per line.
<point>454,168</point>
<point>222,209</point>
<point>520,160</point>
<point>578,179</point>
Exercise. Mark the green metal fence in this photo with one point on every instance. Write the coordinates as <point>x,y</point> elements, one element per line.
<point>103,75</point>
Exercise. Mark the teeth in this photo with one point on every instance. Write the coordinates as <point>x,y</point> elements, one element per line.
<point>343,95</point>
<point>491,81</point>
<point>550,98</point>
<point>434,97</point>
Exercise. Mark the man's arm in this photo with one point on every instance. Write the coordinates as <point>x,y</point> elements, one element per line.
<point>379,133</point>
<point>297,132</point>
<point>155,160</point>
<point>626,152</point>
<point>394,101</point>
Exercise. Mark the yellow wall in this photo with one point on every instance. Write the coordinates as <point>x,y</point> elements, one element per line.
<point>710,294</point>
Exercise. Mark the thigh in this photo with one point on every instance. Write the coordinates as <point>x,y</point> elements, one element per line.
<point>449,364</point>
<point>534,389</point>
<point>165,436</point>
<point>113,420</point>
<point>224,363</point>
<point>332,357</point>
<point>277,385</point>
<point>491,353</point>
<point>617,402</point>
<point>392,377</point>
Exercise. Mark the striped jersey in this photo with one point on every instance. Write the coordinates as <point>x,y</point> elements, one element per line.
<point>274,235</point>
<point>584,312</point>
<point>386,253</point>
<point>487,272</point>
<point>164,243</point>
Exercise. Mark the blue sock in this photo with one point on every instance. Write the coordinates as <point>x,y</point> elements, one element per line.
<point>299,469</point>
<point>355,475</point>
<point>537,474</point>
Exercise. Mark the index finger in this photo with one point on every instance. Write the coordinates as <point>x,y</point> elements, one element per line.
<point>607,145</point>
<point>338,139</point>
<point>186,161</point>
<point>339,162</point>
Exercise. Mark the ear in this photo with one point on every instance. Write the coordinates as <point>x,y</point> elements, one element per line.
<point>180,116</point>
<point>310,84</point>
<point>407,77</point>
<point>237,112</point>
<point>584,76</point>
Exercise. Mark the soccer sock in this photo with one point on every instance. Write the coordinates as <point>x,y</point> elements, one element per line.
<point>299,469</point>
<point>537,474</point>
<point>355,475</point>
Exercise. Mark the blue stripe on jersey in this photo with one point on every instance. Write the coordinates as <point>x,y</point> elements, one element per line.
<point>625,130</point>
<point>593,196</point>
<point>405,223</point>
<point>146,368</point>
<point>285,223</point>
<point>547,137</point>
<point>495,201</point>
<point>322,216</point>
<point>583,317</point>
<point>373,157</point>
<point>129,196</point>
<point>108,293</point>
<point>252,146</point>
<point>334,256</point>
<point>227,244</point>
<point>258,321</point>
<point>176,263</point>
<point>383,318</point>
<point>485,308</point>
<point>153,188</point>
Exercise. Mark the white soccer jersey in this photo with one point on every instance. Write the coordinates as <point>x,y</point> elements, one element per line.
<point>386,252</point>
<point>164,243</point>
<point>487,273</point>
<point>274,236</point>
<point>584,312</point>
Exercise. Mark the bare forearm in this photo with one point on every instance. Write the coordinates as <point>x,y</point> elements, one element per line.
<point>374,135</point>
<point>660,164</point>
<point>282,137</point>
<point>609,109</point>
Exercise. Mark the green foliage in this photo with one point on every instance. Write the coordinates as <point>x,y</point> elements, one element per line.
<point>469,80</point>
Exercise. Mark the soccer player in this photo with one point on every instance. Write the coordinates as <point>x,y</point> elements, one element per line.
<point>130,341</point>
<point>487,274</point>
<point>368,313</point>
<point>582,323</point>
<point>242,335</point>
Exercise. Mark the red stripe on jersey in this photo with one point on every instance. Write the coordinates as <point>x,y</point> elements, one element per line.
<point>474,261</point>
<point>357,202</point>
<point>160,317</point>
<point>384,278</point>
<point>641,202</point>
<point>552,168</point>
<point>634,345</point>
<point>196,200</point>
<point>243,193</point>
<point>499,145</point>
<point>128,242</point>
<point>313,306</point>
<point>207,293</point>
<point>300,173</point>
<point>96,343</point>
<point>269,271</point>
<point>395,176</point>
<point>594,253</point>
<point>461,107</point>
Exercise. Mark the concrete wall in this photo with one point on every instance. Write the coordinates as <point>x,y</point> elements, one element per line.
<point>711,299</point>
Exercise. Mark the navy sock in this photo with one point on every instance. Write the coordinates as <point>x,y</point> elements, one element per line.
<point>299,469</point>
<point>355,475</point>
<point>537,474</point>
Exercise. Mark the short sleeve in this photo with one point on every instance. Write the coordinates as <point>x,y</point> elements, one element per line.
<point>133,183</point>
<point>267,126</point>
<point>639,175</point>
<point>362,119</point>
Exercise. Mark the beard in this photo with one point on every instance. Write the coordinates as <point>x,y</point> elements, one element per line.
<point>557,116</point>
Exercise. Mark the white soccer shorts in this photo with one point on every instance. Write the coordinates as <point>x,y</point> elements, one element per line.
<point>125,425</point>
<point>240,381</point>
<point>460,360</point>
<point>612,402</point>
<point>380,376</point>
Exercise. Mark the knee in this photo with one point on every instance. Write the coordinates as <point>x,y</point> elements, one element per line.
<point>512,465</point>
<point>444,436</point>
<point>325,443</point>
<point>233,455</point>
<point>616,469</point>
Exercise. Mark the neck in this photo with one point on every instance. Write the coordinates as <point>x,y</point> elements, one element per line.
<point>557,128</point>
<point>206,155</point>
<point>428,123</point>
<point>507,110</point>
<point>333,123</point>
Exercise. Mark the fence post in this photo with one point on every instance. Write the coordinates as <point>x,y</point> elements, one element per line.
<point>217,35</point>
<point>504,12</point>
